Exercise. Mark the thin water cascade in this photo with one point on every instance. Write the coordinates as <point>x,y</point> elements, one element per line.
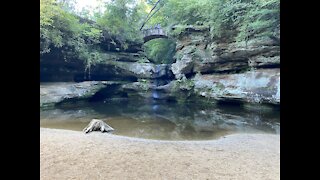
<point>156,83</point>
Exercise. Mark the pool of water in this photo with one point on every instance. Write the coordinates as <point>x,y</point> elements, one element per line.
<point>163,120</point>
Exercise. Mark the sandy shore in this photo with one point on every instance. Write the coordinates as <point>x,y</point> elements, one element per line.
<point>68,154</point>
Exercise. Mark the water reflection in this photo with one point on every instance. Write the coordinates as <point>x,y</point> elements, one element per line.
<point>163,120</point>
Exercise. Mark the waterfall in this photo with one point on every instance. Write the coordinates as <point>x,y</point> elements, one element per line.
<point>155,82</point>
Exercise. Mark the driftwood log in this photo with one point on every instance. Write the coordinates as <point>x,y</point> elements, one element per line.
<point>97,125</point>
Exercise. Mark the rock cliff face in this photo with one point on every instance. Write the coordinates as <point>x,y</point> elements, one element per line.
<point>256,86</point>
<point>114,66</point>
<point>129,70</point>
<point>233,71</point>
<point>196,54</point>
<point>204,70</point>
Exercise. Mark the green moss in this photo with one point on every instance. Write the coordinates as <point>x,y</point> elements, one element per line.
<point>183,84</point>
<point>179,55</point>
<point>199,55</point>
<point>189,49</point>
<point>219,86</point>
<point>144,84</point>
<point>143,60</point>
<point>182,29</point>
<point>183,90</point>
<point>178,31</point>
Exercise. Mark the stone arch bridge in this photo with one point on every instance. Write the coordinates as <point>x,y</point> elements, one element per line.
<point>153,33</point>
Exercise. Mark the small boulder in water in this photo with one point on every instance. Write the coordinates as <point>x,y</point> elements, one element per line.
<point>97,125</point>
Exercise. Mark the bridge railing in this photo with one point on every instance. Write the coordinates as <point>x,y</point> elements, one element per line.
<point>153,31</point>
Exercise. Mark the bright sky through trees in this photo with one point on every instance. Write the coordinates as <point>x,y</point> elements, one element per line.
<point>86,3</point>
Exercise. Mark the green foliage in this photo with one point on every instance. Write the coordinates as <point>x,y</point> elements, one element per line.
<point>91,33</point>
<point>48,34</point>
<point>60,28</point>
<point>183,12</point>
<point>178,30</point>
<point>160,51</point>
<point>261,20</point>
<point>227,19</point>
<point>122,19</point>
<point>226,15</point>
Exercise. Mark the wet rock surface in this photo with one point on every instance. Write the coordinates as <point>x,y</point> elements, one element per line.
<point>54,93</point>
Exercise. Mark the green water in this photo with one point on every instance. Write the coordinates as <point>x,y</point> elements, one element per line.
<point>163,120</point>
